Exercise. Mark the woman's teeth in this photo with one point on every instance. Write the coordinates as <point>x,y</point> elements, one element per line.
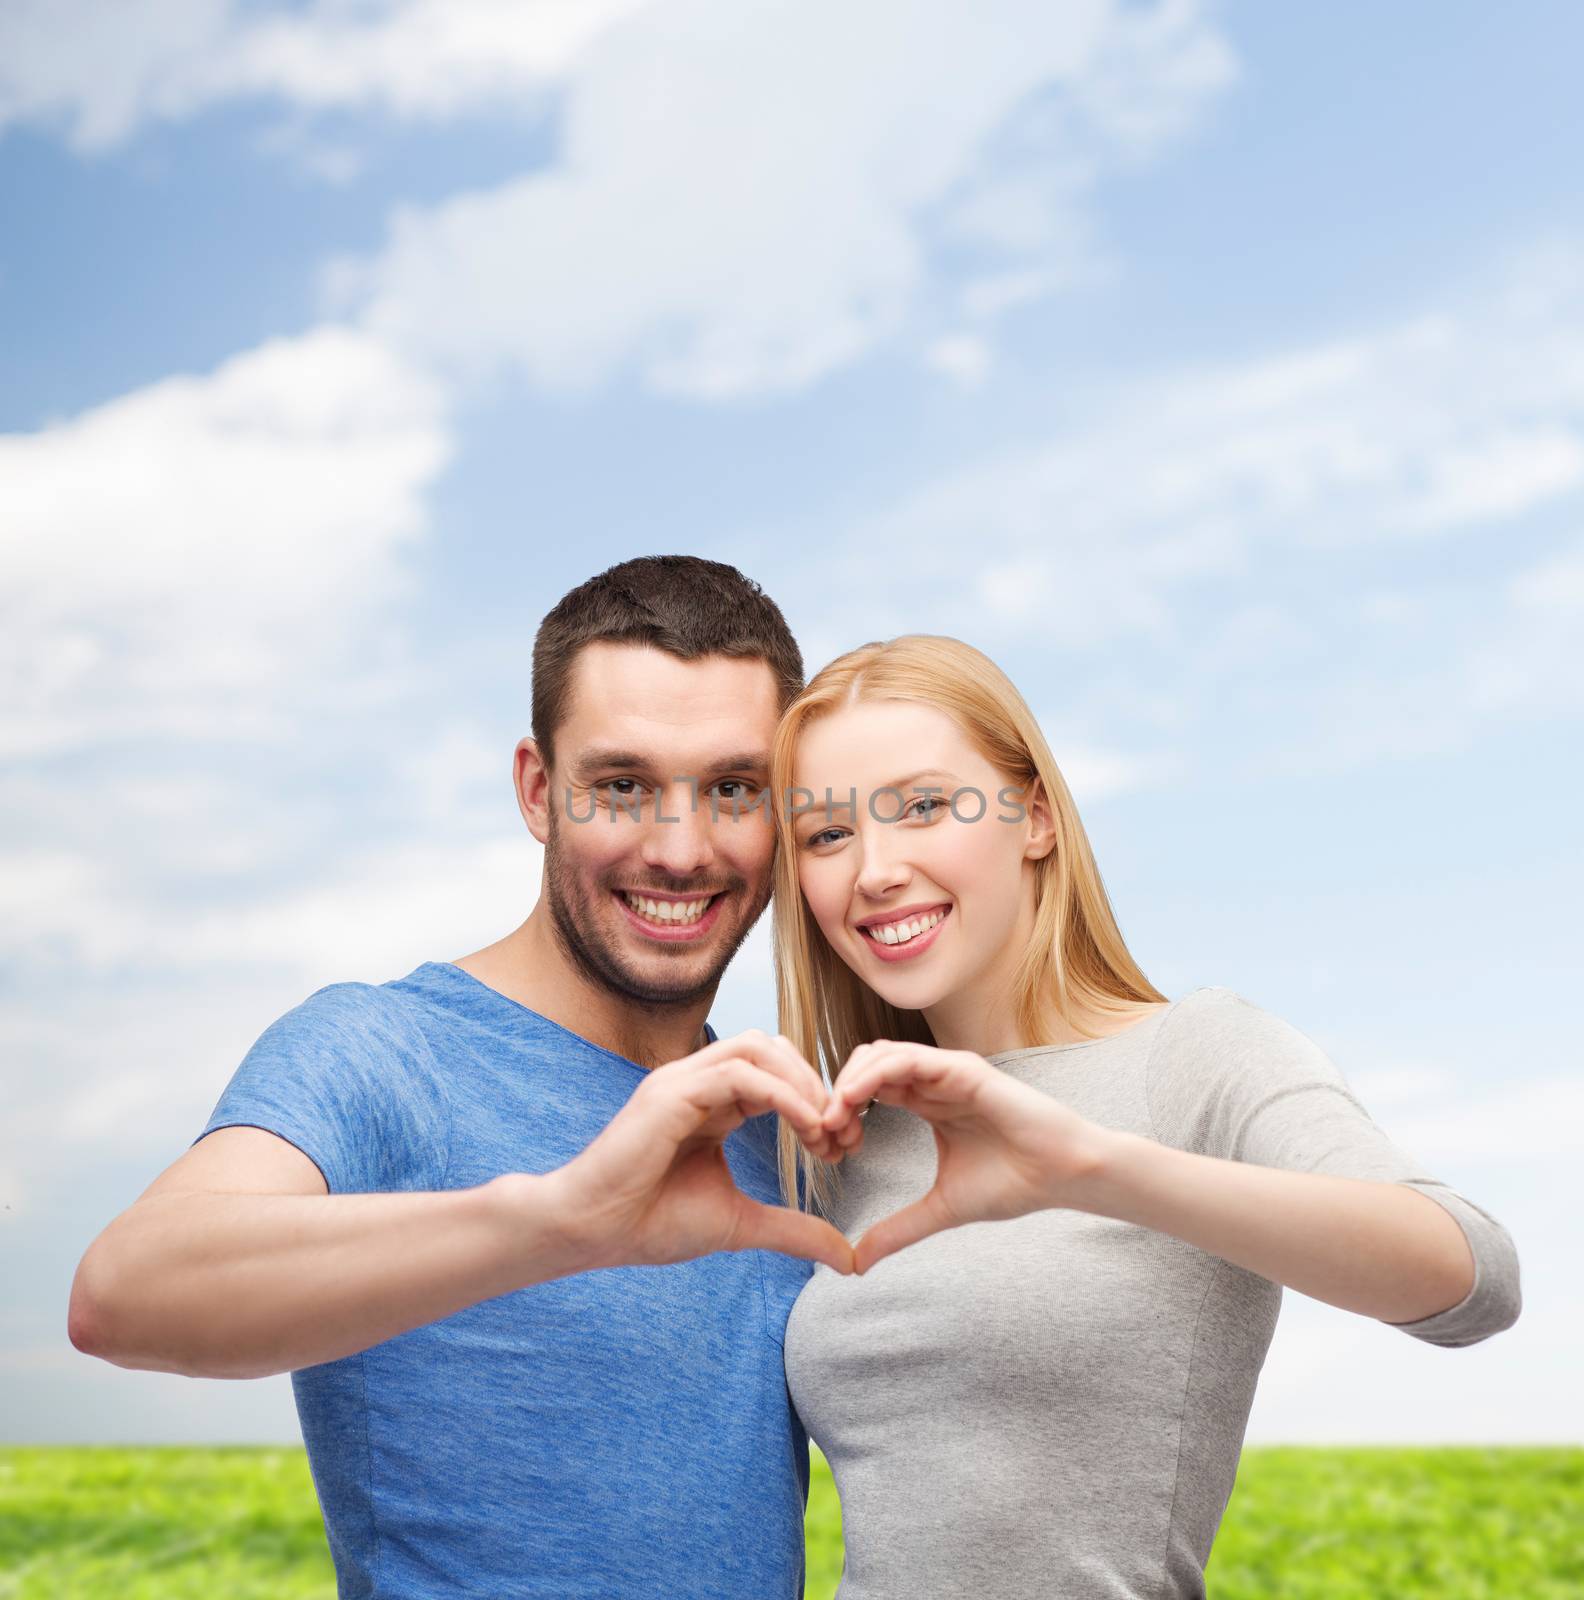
<point>901,932</point>
<point>673,911</point>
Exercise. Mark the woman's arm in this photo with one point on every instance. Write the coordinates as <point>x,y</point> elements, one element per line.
<point>1381,1249</point>
<point>1005,1149</point>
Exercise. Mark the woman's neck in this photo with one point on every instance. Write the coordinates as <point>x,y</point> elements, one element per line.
<point>988,1024</point>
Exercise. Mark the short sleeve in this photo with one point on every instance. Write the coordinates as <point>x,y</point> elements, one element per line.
<point>349,1080</point>
<point>1229,1079</point>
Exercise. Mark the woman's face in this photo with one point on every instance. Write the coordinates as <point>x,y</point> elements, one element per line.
<point>915,855</point>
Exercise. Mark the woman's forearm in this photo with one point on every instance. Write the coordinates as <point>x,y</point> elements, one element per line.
<point>1381,1249</point>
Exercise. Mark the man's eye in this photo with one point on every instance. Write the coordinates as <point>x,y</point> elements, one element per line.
<point>613,786</point>
<point>741,788</point>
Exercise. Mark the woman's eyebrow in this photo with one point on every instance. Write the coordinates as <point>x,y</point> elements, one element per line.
<point>926,772</point>
<point>837,804</point>
<point>912,777</point>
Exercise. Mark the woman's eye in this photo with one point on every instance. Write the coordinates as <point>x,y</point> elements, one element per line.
<point>815,838</point>
<point>929,806</point>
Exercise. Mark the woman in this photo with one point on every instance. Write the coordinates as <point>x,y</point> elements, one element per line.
<point>1053,1405</point>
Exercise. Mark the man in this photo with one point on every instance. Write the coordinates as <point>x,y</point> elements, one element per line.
<point>402,1189</point>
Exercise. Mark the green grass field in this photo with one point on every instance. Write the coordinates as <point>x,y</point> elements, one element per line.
<point>1357,1524</point>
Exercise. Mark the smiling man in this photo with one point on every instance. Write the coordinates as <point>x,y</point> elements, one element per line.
<point>402,1190</point>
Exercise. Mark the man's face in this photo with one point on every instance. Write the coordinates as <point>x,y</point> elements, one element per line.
<point>658,859</point>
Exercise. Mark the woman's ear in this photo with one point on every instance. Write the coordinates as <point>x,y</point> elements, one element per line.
<point>1041,824</point>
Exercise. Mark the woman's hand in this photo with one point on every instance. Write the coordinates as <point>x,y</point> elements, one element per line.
<point>1002,1148</point>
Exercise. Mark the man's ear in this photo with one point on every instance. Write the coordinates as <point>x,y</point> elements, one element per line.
<point>1041,823</point>
<point>532,780</point>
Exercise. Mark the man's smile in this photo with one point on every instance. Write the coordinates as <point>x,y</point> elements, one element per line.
<point>669,918</point>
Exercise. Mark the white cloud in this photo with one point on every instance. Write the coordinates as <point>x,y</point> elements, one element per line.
<point>1336,1378</point>
<point>1218,518</point>
<point>103,71</point>
<point>745,201</point>
<point>989,296</point>
<point>963,357</point>
<point>1094,771</point>
<point>51,901</point>
<point>1539,1119</point>
<point>80,910</point>
<point>387,915</point>
<point>1411,431</point>
<point>1500,475</point>
<point>198,573</point>
<point>416,57</point>
<point>1554,585</point>
<point>1406,1084</point>
<point>1529,661</point>
<point>742,200</point>
<point>1096,774</point>
<point>183,556</point>
<point>1430,425</point>
<point>113,1071</point>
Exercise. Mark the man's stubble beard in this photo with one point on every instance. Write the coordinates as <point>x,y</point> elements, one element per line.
<point>574,917</point>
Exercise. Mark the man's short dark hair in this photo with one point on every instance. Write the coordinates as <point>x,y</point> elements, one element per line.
<point>684,605</point>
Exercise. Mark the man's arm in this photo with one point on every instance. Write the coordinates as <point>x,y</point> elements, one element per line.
<point>237,1263</point>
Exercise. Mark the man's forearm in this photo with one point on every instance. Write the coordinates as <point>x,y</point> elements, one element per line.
<point>244,1285</point>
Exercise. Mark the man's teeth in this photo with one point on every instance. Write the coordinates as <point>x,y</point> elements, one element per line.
<point>901,932</point>
<point>677,911</point>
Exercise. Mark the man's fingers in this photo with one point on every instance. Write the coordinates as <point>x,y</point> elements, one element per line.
<point>747,1090</point>
<point>899,1230</point>
<point>794,1233</point>
<point>773,1053</point>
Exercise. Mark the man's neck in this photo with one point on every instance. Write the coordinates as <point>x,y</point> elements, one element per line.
<point>530,967</point>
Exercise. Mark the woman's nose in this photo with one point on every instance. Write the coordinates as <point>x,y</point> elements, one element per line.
<point>882,870</point>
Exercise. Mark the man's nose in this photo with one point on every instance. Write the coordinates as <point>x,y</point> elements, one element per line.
<point>677,836</point>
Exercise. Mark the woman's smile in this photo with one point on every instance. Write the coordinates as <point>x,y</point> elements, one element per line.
<point>898,936</point>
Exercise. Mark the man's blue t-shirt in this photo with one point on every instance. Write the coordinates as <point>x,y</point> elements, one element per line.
<point>620,1432</point>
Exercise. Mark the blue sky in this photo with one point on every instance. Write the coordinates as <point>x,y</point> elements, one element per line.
<point>1218,369</point>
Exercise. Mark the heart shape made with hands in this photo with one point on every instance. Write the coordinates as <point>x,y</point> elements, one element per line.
<point>1003,1149</point>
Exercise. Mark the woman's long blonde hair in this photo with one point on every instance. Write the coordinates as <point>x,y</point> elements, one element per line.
<point>1075,963</point>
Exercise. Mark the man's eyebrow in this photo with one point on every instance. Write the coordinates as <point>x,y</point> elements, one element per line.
<point>601,758</point>
<point>744,761</point>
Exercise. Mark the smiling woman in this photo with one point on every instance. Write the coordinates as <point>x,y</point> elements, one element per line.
<point>998,846</point>
<point>1056,1404</point>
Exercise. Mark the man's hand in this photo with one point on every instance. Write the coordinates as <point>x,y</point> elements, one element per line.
<point>236,1262</point>
<point>654,1187</point>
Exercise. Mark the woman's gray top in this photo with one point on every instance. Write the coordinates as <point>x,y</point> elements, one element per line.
<point>1054,1406</point>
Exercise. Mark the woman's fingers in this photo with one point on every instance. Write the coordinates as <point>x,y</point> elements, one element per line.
<point>869,1073</point>
<point>900,1229</point>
